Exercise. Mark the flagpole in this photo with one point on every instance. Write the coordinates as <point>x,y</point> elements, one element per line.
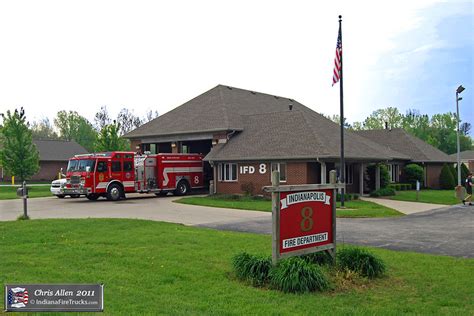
<point>341,100</point>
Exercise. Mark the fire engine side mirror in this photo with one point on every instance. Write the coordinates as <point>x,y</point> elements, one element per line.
<point>88,169</point>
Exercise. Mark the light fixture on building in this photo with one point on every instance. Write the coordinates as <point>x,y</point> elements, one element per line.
<point>173,145</point>
<point>214,142</point>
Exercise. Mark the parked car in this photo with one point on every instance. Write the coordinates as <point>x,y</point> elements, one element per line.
<point>57,188</point>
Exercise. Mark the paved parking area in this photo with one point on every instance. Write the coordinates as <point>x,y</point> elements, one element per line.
<point>444,231</point>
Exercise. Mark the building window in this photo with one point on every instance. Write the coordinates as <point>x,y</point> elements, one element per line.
<point>280,167</point>
<point>349,174</point>
<point>227,172</point>
<point>184,149</point>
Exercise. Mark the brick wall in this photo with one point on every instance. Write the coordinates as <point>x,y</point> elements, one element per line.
<point>134,143</point>
<point>432,175</point>
<point>297,173</point>
<point>48,171</point>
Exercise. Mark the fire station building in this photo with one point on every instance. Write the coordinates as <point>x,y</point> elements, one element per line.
<point>244,135</point>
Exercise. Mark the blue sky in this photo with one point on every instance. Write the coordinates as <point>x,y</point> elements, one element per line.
<point>155,55</point>
<point>429,63</point>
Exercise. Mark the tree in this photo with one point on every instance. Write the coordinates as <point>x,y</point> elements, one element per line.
<point>150,115</point>
<point>378,118</point>
<point>336,118</point>
<point>18,154</point>
<point>43,130</point>
<point>465,128</point>
<point>412,173</point>
<point>127,121</point>
<point>108,139</point>
<point>102,118</point>
<point>73,126</point>
<point>446,179</point>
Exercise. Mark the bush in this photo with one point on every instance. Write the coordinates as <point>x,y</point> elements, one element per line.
<point>248,188</point>
<point>321,258</point>
<point>22,217</point>
<point>347,197</point>
<point>383,192</point>
<point>361,261</point>
<point>295,275</point>
<point>355,196</point>
<point>251,268</point>
<point>413,172</point>
<point>446,179</point>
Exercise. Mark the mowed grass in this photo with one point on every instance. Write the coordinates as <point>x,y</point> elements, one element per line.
<point>151,268</point>
<point>359,208</point>
<point>9,192</point>
<point>446,197</point>
<point>354,208</point>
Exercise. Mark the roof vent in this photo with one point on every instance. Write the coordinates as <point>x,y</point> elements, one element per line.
<point>290,106</point>
<point>253,92</point>
<point>291,100</point>
<point>276,97</point>
<point>230,88</point>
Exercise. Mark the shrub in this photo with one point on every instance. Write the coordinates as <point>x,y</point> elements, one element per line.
<point>295,275</point>
<point>248,188</point>
<point>347,197</point>
<point>383,192</point>
<point>464,173</point>
<point>361,261</point>
<point>413,172</point>
<point>22,217</point>
<point>321,258</point>
<point>251,268</point>
<point>446,179</point>
<point>355,196</point>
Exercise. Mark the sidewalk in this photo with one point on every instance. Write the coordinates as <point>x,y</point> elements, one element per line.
<point>404,206</point>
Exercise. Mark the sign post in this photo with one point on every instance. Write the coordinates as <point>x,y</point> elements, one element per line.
<point>303,218</point>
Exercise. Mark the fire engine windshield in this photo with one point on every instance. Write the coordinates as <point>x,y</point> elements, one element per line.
<point>80,165</point>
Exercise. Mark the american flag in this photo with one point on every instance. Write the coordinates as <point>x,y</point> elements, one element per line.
<point>337,60</point>
<point>18,297</point>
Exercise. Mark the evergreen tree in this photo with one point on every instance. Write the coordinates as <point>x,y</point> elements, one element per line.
<point>446,179</point>
<point>18,154</point>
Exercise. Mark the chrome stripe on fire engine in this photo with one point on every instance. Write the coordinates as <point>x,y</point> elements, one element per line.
<point>178,170</point>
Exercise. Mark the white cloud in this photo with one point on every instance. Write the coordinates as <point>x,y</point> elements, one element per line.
<point>156,55</point>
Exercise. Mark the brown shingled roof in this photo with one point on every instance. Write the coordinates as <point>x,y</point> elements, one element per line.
<point>266,128</point>
<point>401,141</point>
<point>58,150</point>
<point>465,155</point>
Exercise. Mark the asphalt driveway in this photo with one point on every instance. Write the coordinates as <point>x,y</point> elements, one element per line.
<point>444,231</point>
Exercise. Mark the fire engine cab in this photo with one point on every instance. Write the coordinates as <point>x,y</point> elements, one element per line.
<point>113,174</point>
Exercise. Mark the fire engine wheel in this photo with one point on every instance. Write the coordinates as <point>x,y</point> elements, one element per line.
<point>60,196</point>
<point>114,192</point>
<point>92,196</point>
<point>182,188</point>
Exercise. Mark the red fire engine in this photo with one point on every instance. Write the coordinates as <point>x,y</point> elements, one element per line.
<point>113,174</point>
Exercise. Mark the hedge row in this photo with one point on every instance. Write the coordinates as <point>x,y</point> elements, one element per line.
<point>400,186</point>
<point>382,192</point>
<point>347,197</point>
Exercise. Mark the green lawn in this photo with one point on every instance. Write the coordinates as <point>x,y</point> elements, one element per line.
<point>356,208</point>
<point>446,197</point>
<point>7,193</point>
<point>159,268</point>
